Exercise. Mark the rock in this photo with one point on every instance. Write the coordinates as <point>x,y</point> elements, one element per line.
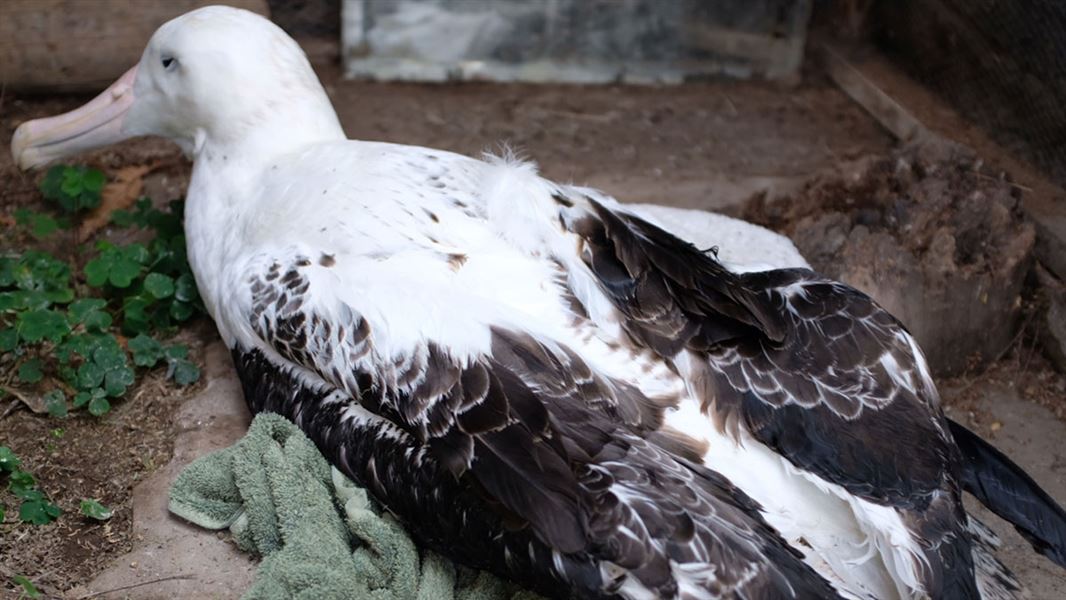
<point>940,246</point>
<point>1053,331</point>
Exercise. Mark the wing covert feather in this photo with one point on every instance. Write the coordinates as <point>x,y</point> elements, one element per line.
<point>534,431</point>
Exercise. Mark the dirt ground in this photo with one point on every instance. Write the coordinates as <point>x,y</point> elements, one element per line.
<point>708,145</point>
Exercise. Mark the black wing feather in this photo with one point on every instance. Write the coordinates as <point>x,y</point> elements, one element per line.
<point>1008,491</point>
<point>796,357</point>
<point>519,461</point>
<point>811,368</point>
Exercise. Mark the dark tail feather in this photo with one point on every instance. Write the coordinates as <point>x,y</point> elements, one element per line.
<point>1008,491</point>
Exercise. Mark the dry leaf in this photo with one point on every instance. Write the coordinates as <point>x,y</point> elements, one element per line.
<point>34,402</point>
<point>121,193</point>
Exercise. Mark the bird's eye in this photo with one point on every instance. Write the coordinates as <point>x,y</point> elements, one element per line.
<point>168,61</point>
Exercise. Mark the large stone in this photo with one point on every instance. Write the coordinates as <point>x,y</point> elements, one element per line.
<point>1053,329</point>
<point>939,246</point>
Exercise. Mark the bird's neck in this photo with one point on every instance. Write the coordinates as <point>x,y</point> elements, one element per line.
<point>228,183</point>
<point>259,139</point>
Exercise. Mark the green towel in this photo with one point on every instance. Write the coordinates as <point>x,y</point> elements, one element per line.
<point>281,500</point>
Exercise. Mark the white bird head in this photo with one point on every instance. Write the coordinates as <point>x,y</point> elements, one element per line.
<point>216,78</point>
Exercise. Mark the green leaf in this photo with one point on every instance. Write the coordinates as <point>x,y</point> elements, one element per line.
<point>79,188</point>
<point>79,309</point>
<point>59,295</point>
<point>72,177</point>
<point>177,351</point>
<point>23,216</point>
<point>43,226</point>
<point>8,460</point>
<point>123,271</point>
<point>146,350</point>
<point>27,586</point>
<point>12,300</point>
<point>40,224</point>
<point>140,215</point>
<point>96,271</point>
<point>90,375</point>
<point>56,403</point>
<point>136,253</point>
<point>39,324</point>
<point>30,371</point>
<point>38,512</point>
<point>116,381</point>
<point>87,311</point>
<point>180,311</point>
<point>122,218</point>
<point>185,372</point>
<point>7,270</point>
<point>72,182</point>
<point>27,492</point>
<point>34,300</point>
<point>52,182</point>
<point>99,406</point>
<point>88,199</point>
<point>3,513</point>
<point>135,314</point>
<point>68,374</point>
<point>98,321</point>
<point>94,180</point>
<point>22,484</point>
<point>109,343</point>
<point>159,285</point>
<point>109,357</point>
<point>39,271</point>
<point>94,510</point>
<point>110,361</point>
<point>81,399</point>
<point>9,338</point>
<point>185,288</point>
<point>81,344</point>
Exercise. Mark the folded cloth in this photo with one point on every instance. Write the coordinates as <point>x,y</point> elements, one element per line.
<point>319,534</point>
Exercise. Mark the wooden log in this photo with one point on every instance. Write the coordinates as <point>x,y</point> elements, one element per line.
<point>889,113</point>
<point>82,45</point>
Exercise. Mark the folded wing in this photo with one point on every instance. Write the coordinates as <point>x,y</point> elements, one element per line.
<point>513,430</point>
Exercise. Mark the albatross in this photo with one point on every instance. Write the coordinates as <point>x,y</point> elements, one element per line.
<point>538,381</point>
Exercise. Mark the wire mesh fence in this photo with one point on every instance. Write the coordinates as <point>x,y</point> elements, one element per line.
<point>1001,64</point>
